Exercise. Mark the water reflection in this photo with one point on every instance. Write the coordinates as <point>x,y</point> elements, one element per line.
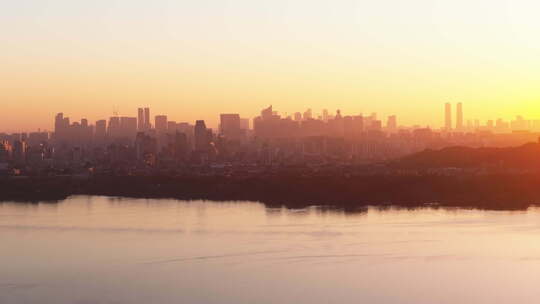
<point>117,250</point>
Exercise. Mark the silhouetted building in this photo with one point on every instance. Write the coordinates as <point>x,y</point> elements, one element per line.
<point>140,119</point>
<point>202,138</point>
<point>114,130</point>
<point>459,116</point>
<point>161,123</point>
<point>100,131</point>
<point>230,126</point>
<point>61,127</point>
<point>128,126</point>
<point>147,124</point>
<point>448,116</point>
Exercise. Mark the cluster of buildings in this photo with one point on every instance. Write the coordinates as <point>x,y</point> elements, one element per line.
<point>140,144</point>
<point>518,125</point>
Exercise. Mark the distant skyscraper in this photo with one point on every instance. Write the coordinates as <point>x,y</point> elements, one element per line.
<point>59,126</point>
<point>392,123</point>
<point>101,130</point>
<point>161,123</point>
<point>459,117</point>
<point>114,127</point>
<point>147,124</point>
<point>128,127</point>
<point>448,117</point>
<point>230,126</point>
<point>140,119</point>
<point>58,122</point>
<point>202,142</point>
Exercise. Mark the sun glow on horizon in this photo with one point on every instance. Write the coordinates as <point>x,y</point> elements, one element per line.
<point>194,60</point>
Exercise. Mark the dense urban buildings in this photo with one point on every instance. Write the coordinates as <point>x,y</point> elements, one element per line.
<point>133,144</point>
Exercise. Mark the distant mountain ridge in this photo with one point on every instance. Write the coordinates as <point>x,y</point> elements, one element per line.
<point>523,157</point>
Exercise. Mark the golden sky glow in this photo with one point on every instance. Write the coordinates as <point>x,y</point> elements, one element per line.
<point>196,59</point>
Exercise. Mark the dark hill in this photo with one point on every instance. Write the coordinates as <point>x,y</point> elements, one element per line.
<point>522,157</point>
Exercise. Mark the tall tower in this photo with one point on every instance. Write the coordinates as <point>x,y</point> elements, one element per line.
<point>459,117</point>
<point>140,119</point>
<point>202,142</point>
<point>448,117</point>
<point>147,124</point>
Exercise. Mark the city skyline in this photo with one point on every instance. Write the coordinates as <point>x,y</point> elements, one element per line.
<point>454,119</point>
<point>15,123</point>
<point>245,151</point>
<point>194,60</point>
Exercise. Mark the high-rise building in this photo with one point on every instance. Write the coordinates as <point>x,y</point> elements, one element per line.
<point>147,124</point>
<point>448,117</point>
<point>61,127</point>
<point>85,132</point>
<point>140,119</point>
<point>459,117</point>
<point>114,127</point>
<point>161,123</point>
<point>128,127</point>
<point>230,126</point>
<point>101,130</point>
<point>391,125</point>
<point>202,140</point>
<point>58,122</point>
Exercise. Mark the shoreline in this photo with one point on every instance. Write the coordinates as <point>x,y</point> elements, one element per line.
<point>495,192</point>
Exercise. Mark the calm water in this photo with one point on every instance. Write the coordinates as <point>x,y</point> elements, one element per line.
<point>102,250</point>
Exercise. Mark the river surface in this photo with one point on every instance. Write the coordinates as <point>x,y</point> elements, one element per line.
<point>93,250</point>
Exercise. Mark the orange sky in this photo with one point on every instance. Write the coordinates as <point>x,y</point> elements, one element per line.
<point>196,60</point>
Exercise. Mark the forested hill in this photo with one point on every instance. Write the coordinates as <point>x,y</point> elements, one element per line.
<point>522,157</point>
